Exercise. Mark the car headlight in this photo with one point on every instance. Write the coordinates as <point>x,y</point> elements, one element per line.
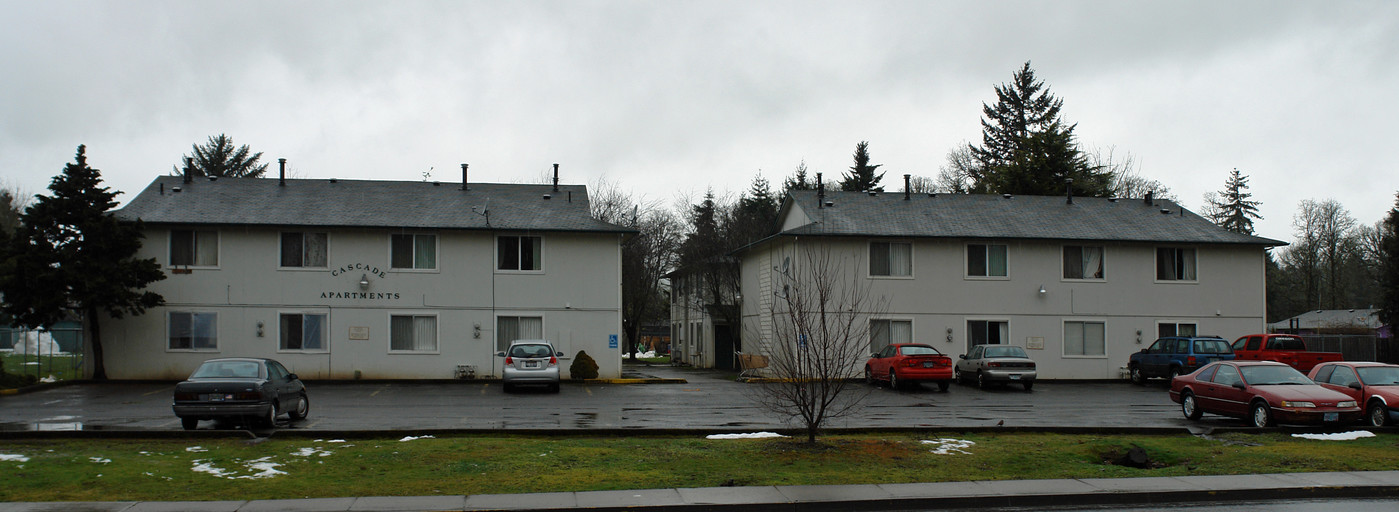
<point>1347,403</point>
<point>1289,403</point>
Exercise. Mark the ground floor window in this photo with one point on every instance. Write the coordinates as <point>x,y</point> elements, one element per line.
<point>1167,329</point>
<point>413,333</point>
<point>987,332</point>
<point>193,331</point>
<point>1084,339</point>
<point>511,328</point>
<point>302,332</point>
<point>887,332</point>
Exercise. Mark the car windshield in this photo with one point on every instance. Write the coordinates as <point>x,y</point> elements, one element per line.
<point>918,350</point>
<point>530,351</point>
<point>1288,343</point>
<point>1212,347</point>
<point>1380,375</point>
<point>226,369</point>
<point>1009,351</point>
<point>1267,375</point>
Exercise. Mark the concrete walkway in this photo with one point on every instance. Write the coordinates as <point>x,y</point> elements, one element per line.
<point>994,494</point>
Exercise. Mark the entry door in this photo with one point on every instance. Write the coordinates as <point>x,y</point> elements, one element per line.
<point>723,347</point>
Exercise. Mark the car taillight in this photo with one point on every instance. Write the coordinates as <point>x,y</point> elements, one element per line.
<point>1190,360</point>
<point>187,397</point>
<point>509,360</point>
<point>247,395</point>
<point>553,361</point>
<point>994,364</point>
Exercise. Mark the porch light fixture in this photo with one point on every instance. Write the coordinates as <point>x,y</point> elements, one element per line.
<point>1042,292</point>
<point>364,281</point>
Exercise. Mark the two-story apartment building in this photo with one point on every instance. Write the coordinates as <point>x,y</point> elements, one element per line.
<point>1080,282</point>
<point>342,279</point>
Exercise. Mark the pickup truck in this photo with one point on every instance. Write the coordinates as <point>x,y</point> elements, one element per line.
<point>1177,355</point>
<point>1283,348</point>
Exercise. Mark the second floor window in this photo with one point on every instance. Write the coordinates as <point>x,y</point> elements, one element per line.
<point>304,250</point>
<point>519,253</point>
<point>986,260</point>
<point>191,248</point>
<point>413,252</point>
<point>1175,264</point>
<point>1083,262</point>
<point>891,259</point>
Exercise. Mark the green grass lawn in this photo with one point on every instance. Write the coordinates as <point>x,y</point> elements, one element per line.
<point>225,469</point>
<point>60,366</point>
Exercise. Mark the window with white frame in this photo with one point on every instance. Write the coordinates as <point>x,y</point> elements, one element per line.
<point>1175,264</point>
<point>522,253</point>
<point>887,332</point>
<point>891,259</point>
<point>1167,329</point>
<point>413,252</point>
<point>194,248</point>
<point>511,328</point>
<point>303,249</point>
<point>987,260</point>
<point>1083,262</point>
<point>193,331</point>
<point>1085,339</point>
<point>302,332</point>
<point>987,332</point>
<point>412,333</point>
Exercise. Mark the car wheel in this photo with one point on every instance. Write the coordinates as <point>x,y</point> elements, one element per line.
<point>1029,384</point>
<point>1188,407</point>
<point>1138,377</point>
<point>1377,414</point>
<point>957,377</point>
<point>270,420</point>
<point>869,377</point>
<point>189,423</point>
<point>980,380</point>
<point>1175,372</point>
<point>1260,416</point>
<point>302,408</point>
<point>943,385</point>
<point>894,380</point>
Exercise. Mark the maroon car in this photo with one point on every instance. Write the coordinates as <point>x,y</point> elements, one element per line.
<point>1374,385</point>
<point>903,363</point>
<point>1262,392</point>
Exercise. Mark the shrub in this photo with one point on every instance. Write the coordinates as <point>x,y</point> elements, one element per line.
<point>583,367</point>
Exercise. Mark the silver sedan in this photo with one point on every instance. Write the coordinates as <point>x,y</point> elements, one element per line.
<point>987,364</point>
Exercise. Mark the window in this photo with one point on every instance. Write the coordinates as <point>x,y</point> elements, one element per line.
<point>304,249</point>
<point>413,252</point>
<point>1083,262</point>
<point>302,332</point>
<point>987,332</point>
<point>891,259</point>
<point>1167,330</point>
<point>193,331</point>
<point>1175,264</point>
<point>1227,375</point>
<point>986,260</point>
<point>1342,376</point>
<point>511,328</point>
<point>887,332</point>
<point>1084,339</point>
<point>190,248</point>
<point>412,333</point>
<point>519,253</point>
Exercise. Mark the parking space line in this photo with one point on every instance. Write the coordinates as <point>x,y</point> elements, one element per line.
<point>483,388</point>
<point>161,390</point>
<point>588,390</point>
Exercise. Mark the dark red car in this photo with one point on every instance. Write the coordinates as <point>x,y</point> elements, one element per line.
<point>1262,392</point>
<point>910,363</point>
<point>1373,385</point>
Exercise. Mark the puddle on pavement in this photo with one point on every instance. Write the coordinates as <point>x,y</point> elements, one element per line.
<point>65,426</point>
<point>585,419</point>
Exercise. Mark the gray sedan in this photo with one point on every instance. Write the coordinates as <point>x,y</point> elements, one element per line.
<point>987,364</point>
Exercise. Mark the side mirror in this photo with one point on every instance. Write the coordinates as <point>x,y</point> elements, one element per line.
<point>558,354</point>
<point>1239,386</point>
<point>292,376</point>
<point>500,354</point>
<point>1356,386</point>
<point>961,356</point>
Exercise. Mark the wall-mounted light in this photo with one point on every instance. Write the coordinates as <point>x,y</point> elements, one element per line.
<point>949,335</point>
<point>1139,336</point>
<point>259,328</point>
<point>1042,291</point>
<point>476,330</point>
<point>364,281</point>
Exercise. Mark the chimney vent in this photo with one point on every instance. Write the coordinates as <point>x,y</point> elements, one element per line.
<point>463,178</point>
<point>189,169</point>
<point>1148,197</point>
<point>820,191</point>
<point>282,179</point>
<point>556,177</point>
<point>1070,190</point>
<point>907,190</point>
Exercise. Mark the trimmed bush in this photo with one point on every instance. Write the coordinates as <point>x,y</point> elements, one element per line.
<point>583,367</point>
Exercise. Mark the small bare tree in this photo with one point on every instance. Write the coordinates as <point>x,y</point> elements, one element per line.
<point>820,338</point>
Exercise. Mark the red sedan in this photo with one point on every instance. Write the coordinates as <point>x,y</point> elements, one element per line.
<point>1375,385</point>
<point>1263,392</point>
<point>902,363</point>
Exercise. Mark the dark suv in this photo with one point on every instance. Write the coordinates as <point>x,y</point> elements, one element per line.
<point>1177,355</point>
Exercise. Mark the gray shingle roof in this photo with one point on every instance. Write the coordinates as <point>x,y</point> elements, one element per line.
<point>358,203</point>
<point>1017,217</point>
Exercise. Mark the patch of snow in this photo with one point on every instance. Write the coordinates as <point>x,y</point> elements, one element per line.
<point>336,441</point>
<point>414,438</point>
<point>307,452</point>
<point>755,435</point>
<point>99,460</point>
<point>948,446</point>
<point>196,449</point>
<point>8,457</point>
<point>265,469</point>
<point>1343,436</point>
<point>50,378</point>
<point>203,466</point>
<point>36,343</point>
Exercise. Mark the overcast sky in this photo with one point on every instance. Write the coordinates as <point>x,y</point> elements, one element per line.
<point>668,99</point>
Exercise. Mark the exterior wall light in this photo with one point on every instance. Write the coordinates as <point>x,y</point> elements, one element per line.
<point>364,281</point>
<point>1042,291</point>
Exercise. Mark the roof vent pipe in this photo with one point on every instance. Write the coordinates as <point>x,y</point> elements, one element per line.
<point>556,177</point>
<point>907,177</point>
<point>1148,197</point>
<point>1070,189</point>
<point>189,169</point>
<point>463,178</point>
<point>820,191</point>
<point>282,179</point>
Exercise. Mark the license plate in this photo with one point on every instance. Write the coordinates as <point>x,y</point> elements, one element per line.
<point>927,364</point>
<point>1331,416</point>
<point>220,398</point>
<point>531,364</point>
<point>1014,377</point>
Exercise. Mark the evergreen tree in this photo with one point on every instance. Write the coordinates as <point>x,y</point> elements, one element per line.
<point>1232,209</point>
<point>10,208</point>
<point>1027,149</point>
<point>1389,268</point>
<point>798,181</point>
<point>862,175</point>
<point>220,158</point>
<point>71,254</point>
<point>754,215</point>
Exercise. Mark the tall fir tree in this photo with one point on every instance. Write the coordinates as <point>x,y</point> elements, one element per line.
<point>1232,209</point>
<point>862,175</point>
<point>798,180</point>
<point>754,215</point>
<point>219,157</point>
<point>1027,149</point>
<point>71,254</point>
<point>1389,267</point>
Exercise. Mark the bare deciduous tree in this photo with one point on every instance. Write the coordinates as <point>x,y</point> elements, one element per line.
<point>820,320</point>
